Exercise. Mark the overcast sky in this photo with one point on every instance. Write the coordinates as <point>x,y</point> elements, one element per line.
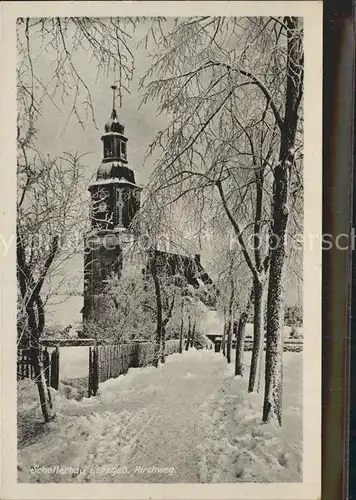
<point>56,134</point>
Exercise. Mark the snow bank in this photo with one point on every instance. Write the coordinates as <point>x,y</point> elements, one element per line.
<point>241,449</point>
<point>73,386</point>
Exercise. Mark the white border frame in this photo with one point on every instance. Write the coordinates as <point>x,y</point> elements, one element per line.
<point>310,488</point>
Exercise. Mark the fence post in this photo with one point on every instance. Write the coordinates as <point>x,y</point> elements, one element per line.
<point>95,371</point>
<point>22,365</point>
<point>26,357</point>
<point>90,370</point>
<point>136,356</point>
<point>46,365</point>
<point>93,378</point>
<point>55,369</point>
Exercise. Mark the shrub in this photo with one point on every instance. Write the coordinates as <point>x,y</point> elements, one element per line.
<point>201,341</point>
<point>293,316</point>
<point>295,333</point>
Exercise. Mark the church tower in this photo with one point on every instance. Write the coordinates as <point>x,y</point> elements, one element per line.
<point>115,200</point>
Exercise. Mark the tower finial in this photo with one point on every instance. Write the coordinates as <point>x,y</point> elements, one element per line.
<point>113,124</point>
<point>114,87</point>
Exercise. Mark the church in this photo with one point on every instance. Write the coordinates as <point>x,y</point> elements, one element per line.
<point>115,201</point>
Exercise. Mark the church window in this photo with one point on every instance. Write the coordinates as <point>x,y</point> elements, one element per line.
<point>123,149</point>
<point>116,147</point>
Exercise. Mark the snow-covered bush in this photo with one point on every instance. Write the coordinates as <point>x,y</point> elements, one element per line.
<point>293,316</point>
<point>201,341</point>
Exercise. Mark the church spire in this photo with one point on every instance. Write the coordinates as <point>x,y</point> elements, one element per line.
<point>113,124</point>
<point>114,140</point>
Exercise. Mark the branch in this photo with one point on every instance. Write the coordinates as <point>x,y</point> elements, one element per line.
<point>210,118</point>
<point>47,264</point>
<point>256,81</point>
<point>237,230</point>
<point>268,96</point>
<point>24,274</point>
<point>169,313</point>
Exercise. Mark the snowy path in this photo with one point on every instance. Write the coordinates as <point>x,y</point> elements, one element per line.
<point>143,427</point>
<point>189,420</point>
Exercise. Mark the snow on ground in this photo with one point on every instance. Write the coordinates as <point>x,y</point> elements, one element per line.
<point>241,449</point>
<point>189,420</point>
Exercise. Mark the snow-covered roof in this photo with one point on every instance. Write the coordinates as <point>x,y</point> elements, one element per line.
<point>114,180</point>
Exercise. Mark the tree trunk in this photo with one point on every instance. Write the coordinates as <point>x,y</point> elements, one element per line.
<point>258,334</point>
<point>164,326</point>
<point>272,406</point>
<point>36,360</point>
<point>163,347</point>
<point>40,379</point>
<point>43,391</point>
<point>240,344</point>
<point>261,361</point>
<point>228,341</point>
<point>230,314</point>
<point>189,332</point>
<point>223,339</point>
<point>157,287</point>
<point>193,335</point>
<point>181,331</point>
<point>240,337</point>
<point>30,292</point>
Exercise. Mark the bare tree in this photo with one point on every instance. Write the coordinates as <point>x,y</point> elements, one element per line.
<point>49,190</point>
<point>233,276</point>
<point>167,271</point>
<point>272,408</point>
<point>106,40</point>
<point>227,267</point>
<point>49,212</point>
<point>212,63</point>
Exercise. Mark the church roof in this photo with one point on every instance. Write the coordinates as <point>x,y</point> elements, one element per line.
<point>114,180</point>
<point>191,268</point>
<point>113,124</point>
<point>115,169</point>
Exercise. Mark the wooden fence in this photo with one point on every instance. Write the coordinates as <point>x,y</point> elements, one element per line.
<point>111,361</point>
<point>50,362</point>
<point>292,345</point>
<point>105,361</point>
<point>24,365</point>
